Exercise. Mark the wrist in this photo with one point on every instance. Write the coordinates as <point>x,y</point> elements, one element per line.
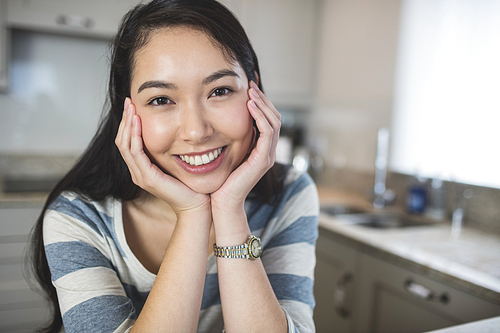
<point>251,249</point>
<point>197,214</point>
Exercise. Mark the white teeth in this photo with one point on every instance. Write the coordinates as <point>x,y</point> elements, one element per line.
<point>203,159</point>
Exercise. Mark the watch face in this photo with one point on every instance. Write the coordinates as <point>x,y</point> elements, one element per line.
<point>255,248</point>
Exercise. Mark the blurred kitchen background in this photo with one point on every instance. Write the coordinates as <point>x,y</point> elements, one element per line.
<point>413,81</point>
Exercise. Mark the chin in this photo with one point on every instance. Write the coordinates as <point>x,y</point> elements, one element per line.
<point>205,187</point>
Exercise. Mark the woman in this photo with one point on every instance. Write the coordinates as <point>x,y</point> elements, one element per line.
<point>176,218</point>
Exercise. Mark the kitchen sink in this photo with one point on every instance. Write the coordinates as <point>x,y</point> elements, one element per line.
<point>384,220</point>
<point>352,215</point>
<point>335,210</point>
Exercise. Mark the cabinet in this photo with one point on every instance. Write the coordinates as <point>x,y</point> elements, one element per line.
<point>4,49</point>
<point>92,18</point>
<point>357,292</point>
<point>283,34</point>
<point>21,309</point>
<point>334,285</point>
<point>392,299</point>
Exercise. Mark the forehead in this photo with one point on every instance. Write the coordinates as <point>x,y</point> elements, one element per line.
<point>178,49</point>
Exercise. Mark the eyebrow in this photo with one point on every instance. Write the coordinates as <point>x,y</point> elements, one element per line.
<point>167,85</point>
<point>219,74</point>
<point>157,84</point>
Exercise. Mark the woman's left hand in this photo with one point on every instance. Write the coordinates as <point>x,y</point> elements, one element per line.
<point>261,157</point>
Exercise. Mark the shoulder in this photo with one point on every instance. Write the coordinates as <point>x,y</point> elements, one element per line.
<point>299,198</point>
<point>74,204</point>
<point>296,181</point>
<point>299,192</point>
<point>72,211</point>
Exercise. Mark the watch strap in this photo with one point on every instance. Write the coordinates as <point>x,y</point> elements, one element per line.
<point>237,251</point>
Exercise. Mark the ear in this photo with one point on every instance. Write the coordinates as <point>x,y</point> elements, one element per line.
<point>256,78</point>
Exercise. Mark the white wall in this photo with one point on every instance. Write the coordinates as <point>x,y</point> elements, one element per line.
<point>355,78</point>
<point>52,107</point>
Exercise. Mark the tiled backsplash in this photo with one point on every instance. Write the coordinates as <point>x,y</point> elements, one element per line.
<point>33,166</point>
<point>483,209</point>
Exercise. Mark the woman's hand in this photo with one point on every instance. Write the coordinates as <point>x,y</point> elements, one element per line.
<point>147,175</point>
<point>262,154</point>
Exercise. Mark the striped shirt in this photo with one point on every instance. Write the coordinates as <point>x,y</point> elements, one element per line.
<point>102,286</point>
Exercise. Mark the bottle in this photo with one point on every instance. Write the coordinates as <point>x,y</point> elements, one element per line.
<point>416,196</point>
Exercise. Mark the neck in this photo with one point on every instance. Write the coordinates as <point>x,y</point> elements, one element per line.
<point>151,206</point>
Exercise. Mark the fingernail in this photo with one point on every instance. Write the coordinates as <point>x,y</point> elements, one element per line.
<point>254,92</point>
<point>253,104</point>
<point>127,103</point>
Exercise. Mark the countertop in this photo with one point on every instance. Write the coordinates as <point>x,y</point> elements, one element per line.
<point>491,325</point>
<point>22,200</point>
<point>469,262</point>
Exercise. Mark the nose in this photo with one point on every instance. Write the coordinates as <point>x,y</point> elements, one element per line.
<point>196,126</point>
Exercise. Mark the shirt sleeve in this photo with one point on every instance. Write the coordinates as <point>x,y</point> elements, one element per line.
<point>289,258</point>
<point>91,296</point>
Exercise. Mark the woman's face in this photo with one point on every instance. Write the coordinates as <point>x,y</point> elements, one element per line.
<point>192,104</point>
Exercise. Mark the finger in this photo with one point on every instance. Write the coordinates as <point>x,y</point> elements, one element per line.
<point>267,132</point>
<point>136,144</point>
<point>259,94</point>
<point>127,142</point>
<point>141,162</point>
<point>121,127</point>
<point>270,113</point>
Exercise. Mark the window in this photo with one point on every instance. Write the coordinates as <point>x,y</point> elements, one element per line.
<point>446,121</point>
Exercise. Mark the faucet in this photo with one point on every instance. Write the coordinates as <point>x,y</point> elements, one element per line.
<point>383,196</point>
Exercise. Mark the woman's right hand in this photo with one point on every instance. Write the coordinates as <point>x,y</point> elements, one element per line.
<point>147,175</point>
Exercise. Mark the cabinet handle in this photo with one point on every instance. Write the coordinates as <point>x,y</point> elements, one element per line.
<point>75,21</point>
<point>340,296</point>
<point>425,293</point>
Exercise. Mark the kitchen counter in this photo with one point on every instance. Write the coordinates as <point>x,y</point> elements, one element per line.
<point>22,200</point>
<point>491,325</point>
<point>470,262</point>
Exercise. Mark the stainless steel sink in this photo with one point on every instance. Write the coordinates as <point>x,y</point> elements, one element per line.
<point>384,220</point>
<point>341,210</point>
<point>376,219</point>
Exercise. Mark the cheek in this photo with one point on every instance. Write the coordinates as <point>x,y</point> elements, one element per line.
<point>237,122</point>
<point>156,135</point>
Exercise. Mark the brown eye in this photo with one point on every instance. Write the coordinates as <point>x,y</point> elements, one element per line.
<point>221,92</point>
<point>160,101</point>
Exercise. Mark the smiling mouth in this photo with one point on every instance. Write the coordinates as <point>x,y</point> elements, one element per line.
<point>197,160</point>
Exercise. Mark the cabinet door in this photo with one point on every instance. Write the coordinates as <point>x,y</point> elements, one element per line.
<point>92,18</point>
<point>21,309</point>
<point>334,285</point>
<point>4,50</point>
<point>283,34</point>
<point>392,300</point>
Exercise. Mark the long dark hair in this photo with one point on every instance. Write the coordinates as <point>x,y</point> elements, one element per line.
<point>101,171</point>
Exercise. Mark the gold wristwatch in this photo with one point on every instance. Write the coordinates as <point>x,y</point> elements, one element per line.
<point>252,249</point>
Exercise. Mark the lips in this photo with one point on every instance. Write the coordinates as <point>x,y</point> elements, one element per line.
<point>197,160</point>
